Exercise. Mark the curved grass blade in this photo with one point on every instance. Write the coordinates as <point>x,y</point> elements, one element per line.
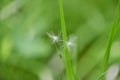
<point>110,40</point>
<point>101,76</point>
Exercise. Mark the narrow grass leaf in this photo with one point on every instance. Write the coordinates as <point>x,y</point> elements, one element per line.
<point>69,70</point>
<point>110,41</point>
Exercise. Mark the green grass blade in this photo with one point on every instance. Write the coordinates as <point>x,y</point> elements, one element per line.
<point>101,76</point>
<point>110,41</point>
<point>69,70</point>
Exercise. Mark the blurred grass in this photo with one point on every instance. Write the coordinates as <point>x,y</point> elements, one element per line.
<point>27,50</point>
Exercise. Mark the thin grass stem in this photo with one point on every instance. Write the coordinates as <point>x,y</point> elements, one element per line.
<point>69,70</point>
<point>110,41</point>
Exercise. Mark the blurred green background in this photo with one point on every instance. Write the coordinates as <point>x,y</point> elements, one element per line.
<point>27,53</point>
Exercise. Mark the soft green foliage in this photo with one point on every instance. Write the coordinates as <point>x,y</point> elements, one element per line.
<point>27,53</point>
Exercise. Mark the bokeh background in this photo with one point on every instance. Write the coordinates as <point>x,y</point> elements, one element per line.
<point>27,53</point>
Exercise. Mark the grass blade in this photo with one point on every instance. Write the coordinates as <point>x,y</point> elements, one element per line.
<point>110,41</point>
<point>69,70</point>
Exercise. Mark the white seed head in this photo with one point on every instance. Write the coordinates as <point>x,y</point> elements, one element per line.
<point>55,38</point>
<point>71,42</point>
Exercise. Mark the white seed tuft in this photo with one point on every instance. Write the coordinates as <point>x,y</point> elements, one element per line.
<point>71,42</point>
<point>53,37</point>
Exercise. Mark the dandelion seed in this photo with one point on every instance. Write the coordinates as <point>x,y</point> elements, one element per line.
<point>55,38</point>
<point>71,42</point>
